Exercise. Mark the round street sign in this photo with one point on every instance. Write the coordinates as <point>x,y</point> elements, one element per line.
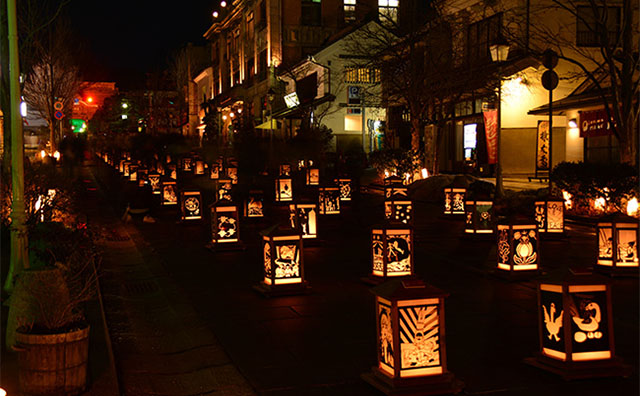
<point>57,105</point>
<point>549,80</point>
<point>59,115</point>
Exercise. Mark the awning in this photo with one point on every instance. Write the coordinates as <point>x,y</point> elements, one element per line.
<point>296,111</point>
<point>268,125</point>
<point>588,100</point>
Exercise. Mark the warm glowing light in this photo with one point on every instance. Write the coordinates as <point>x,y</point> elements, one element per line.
<point>632,207</point>
<point>568,204</point>
<point>386,173</point>
<point>573,123</point>
<point>223,4</point>
<point>3,392</point>
<point>599,203</point>
<point>38,203</point>
<point>43,154</point>
<point>224,117</point>
<point>215,14</point>
<point>239,111</point>
<point>23,109</point>
<point>89,99</point>
<point>513,89</point>
<point>56,155</point>
<point>125,105</point>
<point>231,115</point>
<point>425,173</point>
<point>124,116</point>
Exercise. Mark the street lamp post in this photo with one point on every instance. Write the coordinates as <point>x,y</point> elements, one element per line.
<point>499,53</point>
<point>270,96</point>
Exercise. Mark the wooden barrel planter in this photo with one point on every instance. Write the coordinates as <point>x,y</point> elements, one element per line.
<point>53,363</point>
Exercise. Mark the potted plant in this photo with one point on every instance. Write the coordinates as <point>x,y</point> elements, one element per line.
<point>46,310</point>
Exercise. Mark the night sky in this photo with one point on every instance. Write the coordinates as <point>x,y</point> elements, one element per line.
<point>126,38</point>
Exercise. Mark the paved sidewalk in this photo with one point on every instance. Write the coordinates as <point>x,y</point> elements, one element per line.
<point>160,344</point>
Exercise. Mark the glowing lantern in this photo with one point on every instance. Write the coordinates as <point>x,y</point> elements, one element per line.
<point>173,172</point>
<point>393,179</point>
<point>187,164</point>
<point>120,167</point>
<point>410,340</point>
<point>282,259</point>
<point>232,173</point>
<point>284,189</point>
<point>550,215</point>
<point>518,247</point>
<point>143,176</point>
<point>632,207</point>
<point>154,182</point>
<point>225,222</point>
<point>399,208</point>
<point>199,169</point>
<point>344,185</point>
<point>478,217</point>
<point>160,168</point>
<point>454,198</point>
<point>568,203</point>
<point>169,193</point>
<point>304,217</point>
<point>328,200</point>
<point>313,176</point>
<point>395,188</point>
<point>392,251</point>
<point>285,170</point>
<point>576,327</point>
<point>214,171</point>
<point>133,172</point>
<point>125,168</point>
<point>254,204</point>
<point>617,244</point>
<point>223,189</point>
<point>167,159</point>
<point>191,205</point>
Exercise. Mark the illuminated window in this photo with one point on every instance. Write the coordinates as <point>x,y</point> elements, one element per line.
<point>388,10</point>
<point>362,75</point>
<point>349,10</point>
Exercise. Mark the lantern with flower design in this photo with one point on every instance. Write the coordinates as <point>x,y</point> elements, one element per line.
<point>223,189</point>
<point>392,251</point>
<point>399,208</point>
<point>344,184</point>
<point>328,200</point>
<point>191,205</point>
<point>304,217</point>
<point>618,244</point>
<point>518,247</point>
<point>478,216</point>
<point>549,214</point>
<point>225,222</point>
<point>410,340</point>
<point>282,260</point>
<point>254,204</point>
<point>576,327</point>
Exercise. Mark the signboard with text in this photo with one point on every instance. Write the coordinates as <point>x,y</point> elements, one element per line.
<point>595,123</point>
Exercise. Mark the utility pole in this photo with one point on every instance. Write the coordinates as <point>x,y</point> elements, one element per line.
<point>19,258</point>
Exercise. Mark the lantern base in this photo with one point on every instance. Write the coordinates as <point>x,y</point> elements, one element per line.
<point>515,275</point>
<point>552,236</point>
<point>282,290</point>
<point>431,385</point>
<point>580,370</point>
<point>376,280</point>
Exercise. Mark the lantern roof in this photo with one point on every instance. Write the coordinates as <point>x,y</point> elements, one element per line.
<point>617,218</point>
<point>398,197</point>
<point>575,276</point>
<point>280,229</point>
<point>407,289</point>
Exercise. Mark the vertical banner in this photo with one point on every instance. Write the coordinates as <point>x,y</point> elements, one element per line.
<point>491,132</point>
<point>542,147</point>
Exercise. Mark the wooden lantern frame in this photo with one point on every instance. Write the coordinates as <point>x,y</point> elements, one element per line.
<point>125,168</point>
<point>224,208</point>
<point>247,209</point>
<point>383,234</point>
<point>174,187</point>
<point>232,173</point>
<point>345,186</point>
<point>279,183</point>
<point>325,194</point>
<point>199,167</point>
<point>544,209</point>
<point>184,196</point>
<point>270,243</point>
<point>472,216</point>
<point>155,182</point>
<point>450,194</point>
<point>284,170</point>
<point>313,176</point>
<point>393,207</point>
<point>214,171</point>
<point>311,230</point>
<point>187,165</point>
<point>508,251</point>
<point>223,189</point>
<point>612,262</point>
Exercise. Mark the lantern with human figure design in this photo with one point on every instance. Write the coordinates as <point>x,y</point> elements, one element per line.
<point>254,204</point>
<point>304,217</point>
<point>328,200</point>
<point>392,251</point>
<point>617,244</point>
<point>410,340</point>
<point>169,193</point>
<point>154,182</point>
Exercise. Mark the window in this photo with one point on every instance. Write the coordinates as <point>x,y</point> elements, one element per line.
<point>311,12</point>
<point>362,75</point>
<point>262,65</point>
<point>349,10</point>
<point>250,28</point>
<point>249,70</point>
<point>263,15</point>
<point>388,10</point>
<point>480,36</point>
<point>593,25</point>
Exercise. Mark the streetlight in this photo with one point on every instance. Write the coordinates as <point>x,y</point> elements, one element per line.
<point>499,53</point>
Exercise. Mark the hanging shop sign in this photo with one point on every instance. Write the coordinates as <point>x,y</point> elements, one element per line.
<point>542,147</point>
<point>595,123</point>
<point>491,133</point>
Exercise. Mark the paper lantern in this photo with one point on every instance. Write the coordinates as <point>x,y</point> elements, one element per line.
<point>232,173</point>
<point>143,176</point>
<point>344,184</point>
<point>154,182</point>
<point>576,327</point>
<point>395,189</point>
<point>173,171</point>
<point>478,217</point>
<point>328,200</point>
<point>618,244</point>
<point>160,168</point>
<point>285,170</point>
<point>125,168</point>
<point>225,222</point>
<point>550,215</point>
<point>223,189</point>
<point>410,340</point>
<point>398,208</point>
<point>282,259</point>
<point>167,159</point>
<point>454,198</point>
<point>187,164</point>
<point>214,171</point>
<point>191,205</point>
<point>254,204</point>
<point>121,166</point>
<point>133,172</point>
<point>199,168</point>
<point>303,217</point>
<point>284,189</point>
<point>518,247</point>
<point>169,193</point>
<point>313,176</point>
<point>392,250</point>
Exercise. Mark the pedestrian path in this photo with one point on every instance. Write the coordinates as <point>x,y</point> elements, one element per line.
<point>160,345</point>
